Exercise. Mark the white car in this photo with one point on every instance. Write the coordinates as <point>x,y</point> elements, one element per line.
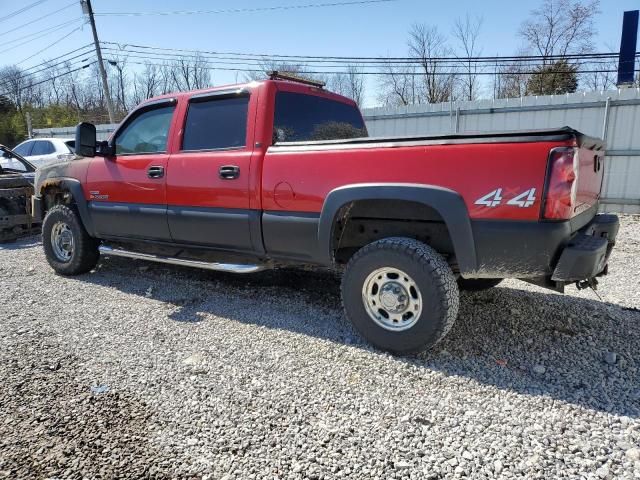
<point>41,151</point>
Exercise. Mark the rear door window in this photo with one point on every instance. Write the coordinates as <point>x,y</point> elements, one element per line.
<point>216,123</point>
<point>43,147</point>
<point>300,117</point>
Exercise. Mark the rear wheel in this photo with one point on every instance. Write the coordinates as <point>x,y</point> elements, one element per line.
<point>67,245</point>
<point>400,294</point>
<point>477,284</point>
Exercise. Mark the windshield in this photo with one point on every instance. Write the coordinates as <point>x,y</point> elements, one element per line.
<point>9,162</point>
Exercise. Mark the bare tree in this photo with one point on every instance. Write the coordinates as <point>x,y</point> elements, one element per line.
<point>427,46</point>
<point>350,83</point>
<point>56,87</point>
<point>17,85</point>
<point>561,27</point>
<point>466,31</point>
<point>510,81</point>
<point>603,75</point>
<point>190,73</point>
<point>398,86</point>
<point>145,84</point>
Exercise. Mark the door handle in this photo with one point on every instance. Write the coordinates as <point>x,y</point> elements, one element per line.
<point>229,172</point>
<point>155,171</point>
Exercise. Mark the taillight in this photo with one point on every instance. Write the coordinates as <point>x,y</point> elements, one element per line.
<point>562,185</point>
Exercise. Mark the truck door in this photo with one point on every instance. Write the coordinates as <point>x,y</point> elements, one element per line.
<point>127,192</point>
<point>208,178</point>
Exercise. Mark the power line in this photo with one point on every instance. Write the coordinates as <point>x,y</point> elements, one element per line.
<point>259,62</point>
<point>41,33</point>
<point>47,65</point>
<point>376,73</point>
<point>47,62</point>
<point>21,10</point>
<point>49,79</point>
<point>6,32</point>
<point>69,66</point>
<point>245,10</point>
<point>50,45</point>
<point>352,59</point>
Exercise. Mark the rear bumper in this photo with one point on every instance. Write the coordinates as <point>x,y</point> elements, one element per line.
<point>546,252</point>
<point>587,254</point>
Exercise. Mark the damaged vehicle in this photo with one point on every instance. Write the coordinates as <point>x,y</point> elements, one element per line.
<point>16,188</point>
<point>282,172</point>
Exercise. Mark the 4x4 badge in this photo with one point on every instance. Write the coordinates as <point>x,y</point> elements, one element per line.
<point>494,198</point>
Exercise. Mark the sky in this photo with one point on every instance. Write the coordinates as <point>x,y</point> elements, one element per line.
<point>357,30</point>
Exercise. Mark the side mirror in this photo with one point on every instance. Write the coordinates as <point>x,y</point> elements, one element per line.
<point>86,140</point>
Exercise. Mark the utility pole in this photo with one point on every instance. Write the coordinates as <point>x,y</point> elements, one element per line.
<point>86,8</point>
<point>29,126</point>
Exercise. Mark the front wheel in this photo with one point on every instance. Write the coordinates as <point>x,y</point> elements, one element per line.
<point>67,245</point>
<point>400,294</point>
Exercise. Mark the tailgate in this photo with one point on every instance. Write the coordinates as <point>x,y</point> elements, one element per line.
<point>590,173</point>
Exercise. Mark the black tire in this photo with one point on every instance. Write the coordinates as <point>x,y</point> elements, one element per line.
<point>84,255</point>
<point>477,284</point>
<point>430,273</point>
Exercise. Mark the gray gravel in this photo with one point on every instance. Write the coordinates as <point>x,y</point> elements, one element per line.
<point>142,370</point>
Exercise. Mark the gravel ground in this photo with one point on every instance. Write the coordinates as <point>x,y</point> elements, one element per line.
<point>143,370</point>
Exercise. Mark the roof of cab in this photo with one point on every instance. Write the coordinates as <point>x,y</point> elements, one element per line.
<point>247,85</point>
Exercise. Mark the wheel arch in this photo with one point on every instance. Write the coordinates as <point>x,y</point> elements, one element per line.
<point>53,191</point>
<point>448,204</point>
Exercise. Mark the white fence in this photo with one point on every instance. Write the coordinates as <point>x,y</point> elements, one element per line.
<point>102,131</point>
<point>614,116</point>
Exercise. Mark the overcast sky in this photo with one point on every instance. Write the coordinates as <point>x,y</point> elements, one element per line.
<point>358,30</point>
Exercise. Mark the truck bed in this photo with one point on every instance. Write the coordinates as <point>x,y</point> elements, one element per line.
<point>509,136</point>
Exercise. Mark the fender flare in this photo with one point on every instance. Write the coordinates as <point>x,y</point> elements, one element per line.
<point>75,188</point>
<point>448,203</point>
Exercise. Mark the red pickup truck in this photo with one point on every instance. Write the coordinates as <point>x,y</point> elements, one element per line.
<point>242,178</point>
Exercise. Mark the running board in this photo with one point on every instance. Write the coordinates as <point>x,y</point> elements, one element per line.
<point>219,267</point>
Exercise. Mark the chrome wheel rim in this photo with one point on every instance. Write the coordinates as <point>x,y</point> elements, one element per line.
<point>62,241</point>
<point>392,299</point>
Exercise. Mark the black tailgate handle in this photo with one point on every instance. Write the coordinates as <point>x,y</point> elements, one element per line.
<point>229,172</point>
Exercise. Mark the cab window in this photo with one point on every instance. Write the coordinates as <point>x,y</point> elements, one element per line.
<point>216,123</point>
<point>146,132</point>
<point>300,117</point>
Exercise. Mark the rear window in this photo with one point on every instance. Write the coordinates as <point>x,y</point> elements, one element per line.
<point>300,117</point>
<point>71,145</point>
<point>216,123</point>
